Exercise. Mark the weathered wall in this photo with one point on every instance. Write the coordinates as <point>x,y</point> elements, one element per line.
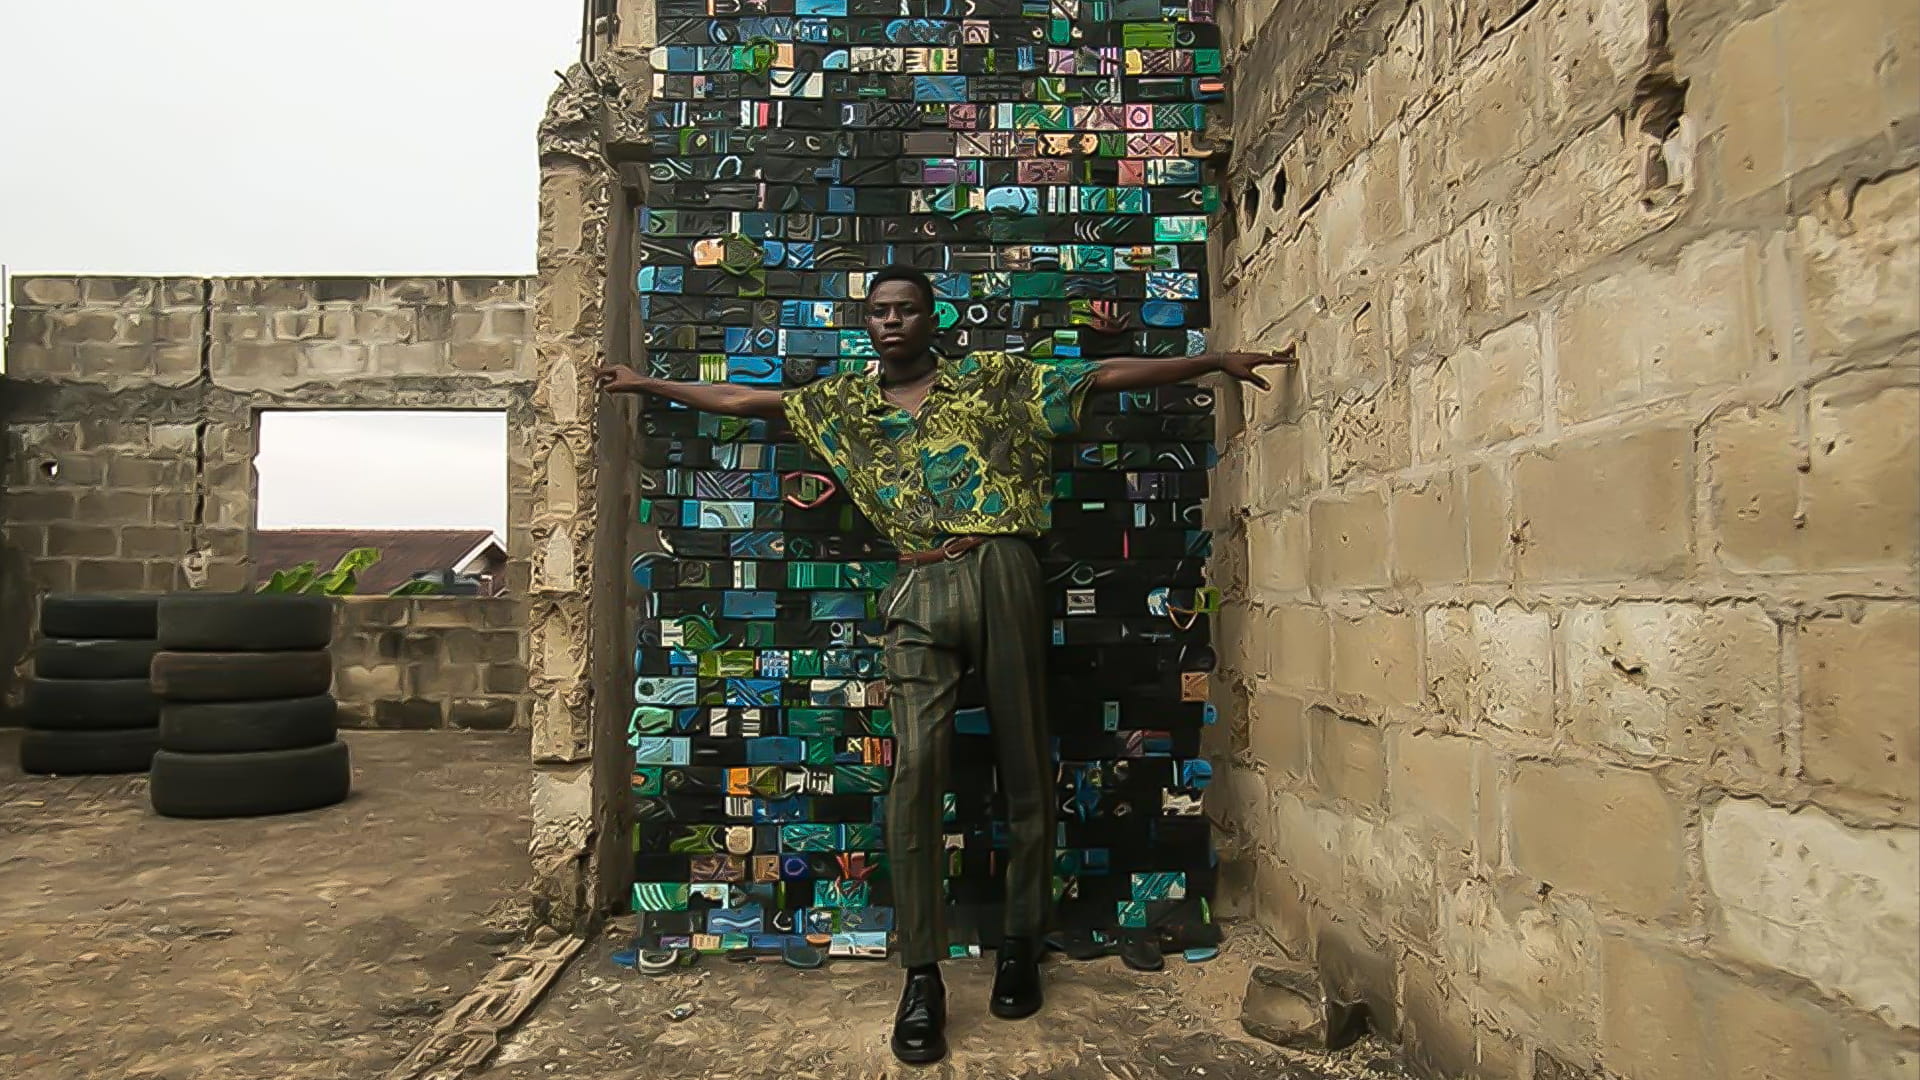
<point>1573,619</point>
<point>582,483</point>
<point>432,662</point>
<point>129,411</point>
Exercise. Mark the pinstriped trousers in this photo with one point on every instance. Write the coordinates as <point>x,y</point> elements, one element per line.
<point>981,610</point>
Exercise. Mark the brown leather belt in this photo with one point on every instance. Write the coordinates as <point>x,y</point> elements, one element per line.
<point>946,552</point>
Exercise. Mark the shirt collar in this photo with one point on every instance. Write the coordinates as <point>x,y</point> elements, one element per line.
<point>944,378</point>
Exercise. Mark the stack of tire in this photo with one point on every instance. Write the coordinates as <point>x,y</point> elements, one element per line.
<point>247,723</point>
<point>89,709</point>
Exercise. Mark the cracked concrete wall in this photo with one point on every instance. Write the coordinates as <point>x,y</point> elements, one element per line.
<point>581,511</point>
<point>1572,637</point>
<point>128,407</point>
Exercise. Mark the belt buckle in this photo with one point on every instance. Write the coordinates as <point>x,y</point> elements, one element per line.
<point>948,553</point>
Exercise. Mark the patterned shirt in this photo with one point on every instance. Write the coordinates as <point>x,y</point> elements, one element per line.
<point>976,460</point>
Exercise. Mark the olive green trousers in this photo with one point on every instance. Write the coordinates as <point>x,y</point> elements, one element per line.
<point>982,610</point>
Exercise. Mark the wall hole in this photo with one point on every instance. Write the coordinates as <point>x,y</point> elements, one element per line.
<point>427,488</point>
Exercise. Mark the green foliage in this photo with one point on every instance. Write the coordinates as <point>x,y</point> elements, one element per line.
<point>342,580</point>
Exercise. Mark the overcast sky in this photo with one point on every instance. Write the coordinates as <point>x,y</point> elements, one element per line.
<point>382,470</point>
<point>239,137</point>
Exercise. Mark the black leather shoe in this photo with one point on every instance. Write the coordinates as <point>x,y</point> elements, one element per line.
<point>920,1025</point>
<point>1016,979</point>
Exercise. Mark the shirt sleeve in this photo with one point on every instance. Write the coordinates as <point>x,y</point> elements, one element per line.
<point>1054,392</point>
<point>813,414</point>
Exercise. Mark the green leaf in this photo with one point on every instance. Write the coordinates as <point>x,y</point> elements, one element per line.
<point>297,579</point>
<point>337,583</point>
<point>344,578</point>
<point>417,587</point>
<point>353,562</point>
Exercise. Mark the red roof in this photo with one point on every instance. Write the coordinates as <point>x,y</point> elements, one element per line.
<point>403,552</point>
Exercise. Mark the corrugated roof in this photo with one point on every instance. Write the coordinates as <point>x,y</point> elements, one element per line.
<point>403,552</point>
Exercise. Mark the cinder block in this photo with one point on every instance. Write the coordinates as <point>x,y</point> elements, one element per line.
<point>1613,507</point>
<point>1349,542</point>
<point>1676,681</point>
<point>1860,723</point>
<point>1801,891</point>
<point>1348,758</point>
<point>1610,836</point>
<point>1377,656</point>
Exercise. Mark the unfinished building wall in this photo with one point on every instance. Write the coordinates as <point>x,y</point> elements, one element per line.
<point>582,508</point>
<point>130,406</point>
<point>1573,624</point>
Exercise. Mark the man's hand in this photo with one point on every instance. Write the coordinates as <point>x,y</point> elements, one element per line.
<point>1141,373</point>
<point>619,379</point>
<point>1245,366</point>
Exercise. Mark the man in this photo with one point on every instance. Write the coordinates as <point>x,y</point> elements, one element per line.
<point>949,457</point>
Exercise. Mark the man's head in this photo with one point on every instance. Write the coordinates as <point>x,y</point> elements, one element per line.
<point>900,319</point>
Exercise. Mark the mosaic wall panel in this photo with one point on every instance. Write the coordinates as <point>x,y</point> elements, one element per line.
<point>1042,163</point>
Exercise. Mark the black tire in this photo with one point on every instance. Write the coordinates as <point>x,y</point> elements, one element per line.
<point>241,676</point>
<point>246,726</point>
<point>245,622</point>
<point>90,704</point>
<point>87,753</point>
<point>243,785</point>
<point>100,658</point>
<point>98,615</point>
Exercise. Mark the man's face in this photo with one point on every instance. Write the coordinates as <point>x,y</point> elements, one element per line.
<point>898,321</point>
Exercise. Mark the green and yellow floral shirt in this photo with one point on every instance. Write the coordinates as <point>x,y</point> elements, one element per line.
<point>976,461</point>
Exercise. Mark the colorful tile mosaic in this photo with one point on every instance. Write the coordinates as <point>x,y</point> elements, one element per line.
<point>1043,162</point>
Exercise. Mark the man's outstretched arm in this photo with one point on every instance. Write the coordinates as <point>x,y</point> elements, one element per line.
<point>725,399</point>
<point>1141,373</point>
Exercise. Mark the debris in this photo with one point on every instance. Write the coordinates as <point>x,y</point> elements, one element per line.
<point>1286,1007</point>
<point>680,1012</point>
<point>468,1033</point>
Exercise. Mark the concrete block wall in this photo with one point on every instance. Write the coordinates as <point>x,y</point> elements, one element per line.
<point>129,409</point>
<point>1572,640</point>
<point>432,662</point>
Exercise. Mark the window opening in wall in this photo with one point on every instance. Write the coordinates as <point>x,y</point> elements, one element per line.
<point>427,489</point>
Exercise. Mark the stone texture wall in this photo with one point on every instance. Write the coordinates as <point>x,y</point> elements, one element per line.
<point>1573,636</point>
<point>580,648</point>
<point>435,662</point>
<point>128,406</point>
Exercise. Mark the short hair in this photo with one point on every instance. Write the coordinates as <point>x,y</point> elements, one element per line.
<point>907,274</point>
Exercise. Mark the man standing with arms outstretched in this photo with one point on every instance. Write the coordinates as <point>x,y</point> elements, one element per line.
<point>950,458</point>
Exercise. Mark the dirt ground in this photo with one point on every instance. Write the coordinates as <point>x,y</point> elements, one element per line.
<point>321,946</point>
<point>314,946</point>
<point>761,1022</point>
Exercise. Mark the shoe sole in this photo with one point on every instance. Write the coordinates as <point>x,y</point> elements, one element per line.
<point>922,1058</point>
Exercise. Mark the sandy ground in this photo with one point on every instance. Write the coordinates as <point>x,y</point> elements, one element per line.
<point>754,1021</point>
<point>307,947</point>
<point>321,946</point>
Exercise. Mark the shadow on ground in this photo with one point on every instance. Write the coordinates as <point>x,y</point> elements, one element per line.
<point>769,1022</point>
<point>313,946</point>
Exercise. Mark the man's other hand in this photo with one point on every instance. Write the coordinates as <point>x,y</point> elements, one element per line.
<point>619,379</point>
<point>1245,366</point>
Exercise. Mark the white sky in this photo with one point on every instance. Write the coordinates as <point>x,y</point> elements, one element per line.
<point>210,137</point>
<point>343,470</point>
<point>264,137</point>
